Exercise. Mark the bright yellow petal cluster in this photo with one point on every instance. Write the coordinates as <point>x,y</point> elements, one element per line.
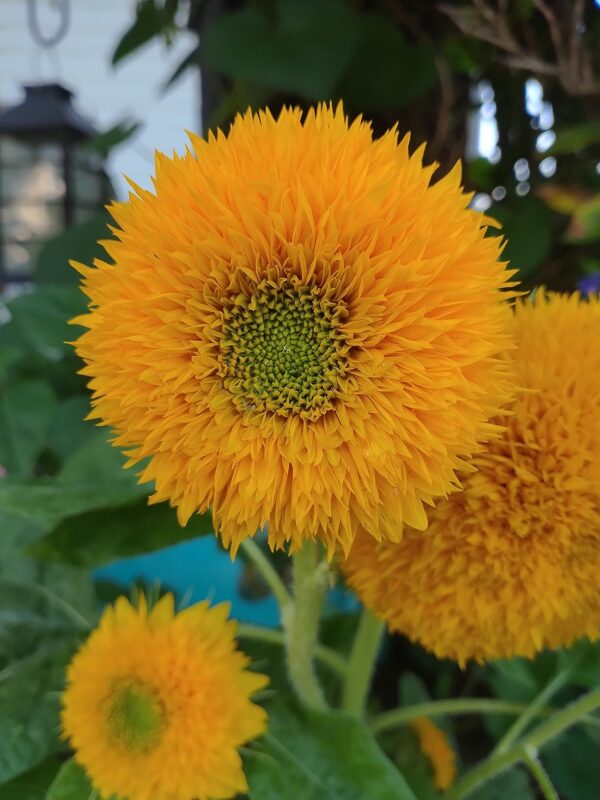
<point>158,702</point>
<point>435,746</point>
<point>511,564</point>
<point>299,329</point>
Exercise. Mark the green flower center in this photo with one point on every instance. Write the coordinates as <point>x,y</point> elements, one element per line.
<point>282,349</point>
<point>135,716</point>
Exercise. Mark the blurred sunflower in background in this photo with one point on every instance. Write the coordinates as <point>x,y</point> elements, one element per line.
<point>158,702</point>
<point>299,329</point>
<point>511,564</point>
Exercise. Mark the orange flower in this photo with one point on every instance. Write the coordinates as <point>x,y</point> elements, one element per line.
<point>299,330</point>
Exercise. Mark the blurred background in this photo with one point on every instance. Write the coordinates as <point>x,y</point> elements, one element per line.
<point>88,90</point>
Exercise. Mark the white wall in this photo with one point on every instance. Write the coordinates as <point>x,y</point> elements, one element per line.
<point>105,94</point>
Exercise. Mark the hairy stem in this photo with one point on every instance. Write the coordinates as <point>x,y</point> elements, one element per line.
<point>365,648</point>
<point>325,655</point>
<point>301,623</point>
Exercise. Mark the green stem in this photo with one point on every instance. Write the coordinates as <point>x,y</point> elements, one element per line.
<point>325,655</point>
<point>301,623</point>
<point>267,570</point>
<point>437,708</point>
<point>539,773</point>
<point>365,648</point>
<point>521,723</point>
<point>538,738</point>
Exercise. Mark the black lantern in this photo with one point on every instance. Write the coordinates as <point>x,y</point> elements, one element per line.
<point>49,179</point>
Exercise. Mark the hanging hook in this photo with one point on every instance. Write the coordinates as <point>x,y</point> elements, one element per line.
<point>45,40</point>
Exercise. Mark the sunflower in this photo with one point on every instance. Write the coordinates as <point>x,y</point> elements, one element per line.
<point>511,564</point>
<point>157,703</point>
<point>299,330</point>
<point>435,746</point>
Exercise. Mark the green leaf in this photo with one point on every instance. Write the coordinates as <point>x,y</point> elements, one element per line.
<point>511,785</point>
<point>77,243</point>
<point>69,430</point>
<point>572,763</point>
<point>98,462</point>
<point>99,537</point>
<point>47,501</point>
<point>40,320</point>
<point>26,410</point>
<point>576,137</point>
<point>386,72</point>
<point>303,52</point>
<point>527,224</point>
<point>151,20</point>
<point>29,723</point>
<point>585,223</point>
<point>321,756</point>
<point>33,784</point>
<point>191,60</point>
<point>34,623</point>
<point>72,783</point>
<point>106,141</point>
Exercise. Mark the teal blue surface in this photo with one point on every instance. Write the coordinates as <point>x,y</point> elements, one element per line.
<point>200,569</point>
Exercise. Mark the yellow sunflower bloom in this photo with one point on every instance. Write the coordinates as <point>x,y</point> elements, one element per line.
<point>435,746</point>
<point>511,564</point>
<point>157,703</point>
<point>298,330</point>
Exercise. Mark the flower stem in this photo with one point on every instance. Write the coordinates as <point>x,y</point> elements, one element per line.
<point>267,570</point>
<point>437,708</point>
<point>365,648</point>
<point>539,773</point>
<point>301,623</point>
<point>325,655</point>
<point>540,736</point>
<point>521,723</point>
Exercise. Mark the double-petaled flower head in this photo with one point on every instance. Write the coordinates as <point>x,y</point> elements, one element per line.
<point>511,564</point>
<point>158,703</point>
<point>299,329</point>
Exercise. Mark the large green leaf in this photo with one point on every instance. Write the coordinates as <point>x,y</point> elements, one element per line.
<point>572,762</point>
<point>511,785</point>
<point>321,756</point>
<point>40,320</point>
<point>576,137</point>
<point>29,726</point>
<point>527,224</point>
<point>77,243</point>
<point>99,537</point>
<point>304,51</point>
<point>386,72</point>
<point>69,430</point>
<point>47,501</point>
<point>33,784</point>
<point>71,783</point>
<point>26,410</point>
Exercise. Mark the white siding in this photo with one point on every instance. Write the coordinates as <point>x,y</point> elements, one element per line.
<point>105,94</point>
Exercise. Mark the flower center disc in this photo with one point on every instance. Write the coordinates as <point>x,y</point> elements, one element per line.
<point>135,716</point>
<point>282,349</point>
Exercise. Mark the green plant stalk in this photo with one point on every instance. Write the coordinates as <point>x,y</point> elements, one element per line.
<point>268,572</point>
<point>540,775</point>
<point>521,723</point>
<point>300,620</point>
<point>437,708</point>
<point>363,658</point>
<point>325,655</point>
<point>538,738</point>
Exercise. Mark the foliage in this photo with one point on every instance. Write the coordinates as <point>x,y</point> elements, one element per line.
<point>66,504</point>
